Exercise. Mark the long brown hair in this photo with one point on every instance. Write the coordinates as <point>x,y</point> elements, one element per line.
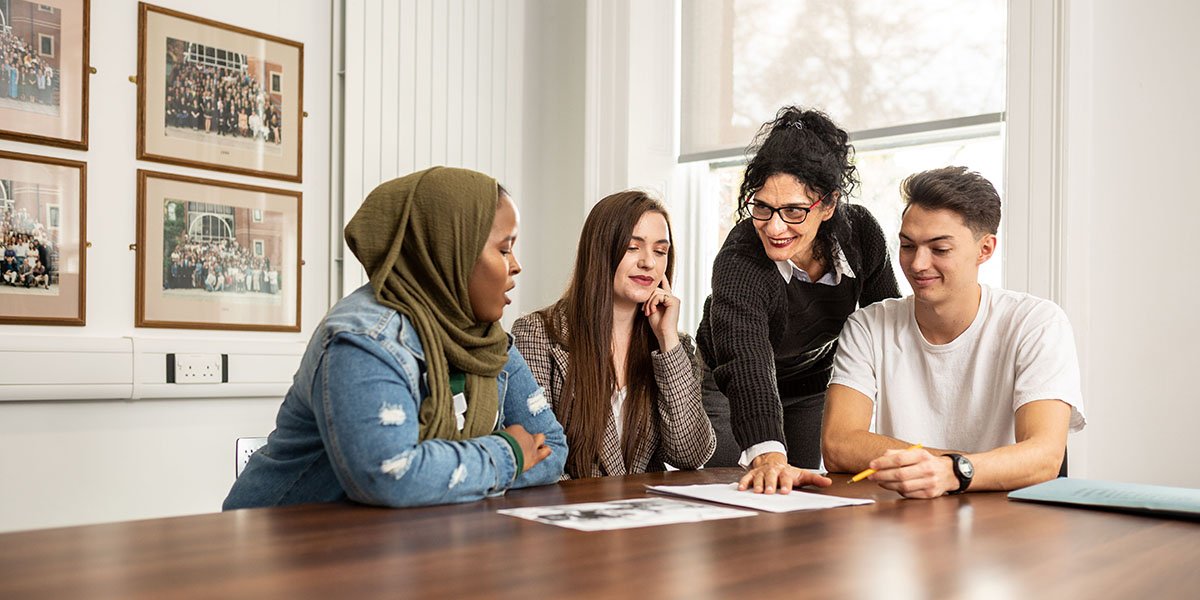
<point>582,322</point>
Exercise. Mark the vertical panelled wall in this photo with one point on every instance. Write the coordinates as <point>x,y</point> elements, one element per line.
<point>428,82</point>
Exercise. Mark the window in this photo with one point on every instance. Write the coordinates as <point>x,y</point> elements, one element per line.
<point>919,84</point>
<point>210,222</point>
<point>259,248</point>
<point>276,83</point>
<point>52,215</point>
<point>46,45</point>
<point>215,57</point>
<point>257,215</point>
<point>8,205</point>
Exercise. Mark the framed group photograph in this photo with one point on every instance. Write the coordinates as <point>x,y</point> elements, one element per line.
<point>216,255</point>
<point>43,217</point>
<point>44,72</point>
<point>219,97</point>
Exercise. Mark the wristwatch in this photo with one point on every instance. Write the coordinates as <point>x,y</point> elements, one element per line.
<point>963,470</point>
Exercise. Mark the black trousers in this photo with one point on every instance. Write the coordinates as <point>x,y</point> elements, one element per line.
<point>801,427</point>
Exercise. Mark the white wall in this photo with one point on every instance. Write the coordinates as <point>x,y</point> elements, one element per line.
<point>553,199</point>
<point>491,85</point>
<point>84,461</point>
<point>1130,263</point>
<point>429,83</point>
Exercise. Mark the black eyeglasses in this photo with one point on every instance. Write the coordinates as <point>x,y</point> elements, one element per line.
<point>793,215</point>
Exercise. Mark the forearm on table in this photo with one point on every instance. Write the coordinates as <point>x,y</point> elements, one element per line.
<point>1016,466</point>
<point>852,451</point>
<point>1040,429</point>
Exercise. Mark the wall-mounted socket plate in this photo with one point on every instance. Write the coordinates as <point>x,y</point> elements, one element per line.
<point>197,368</point>
<point>246,447</point>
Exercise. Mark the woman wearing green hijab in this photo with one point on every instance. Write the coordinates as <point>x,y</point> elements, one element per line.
<point>410,393</point>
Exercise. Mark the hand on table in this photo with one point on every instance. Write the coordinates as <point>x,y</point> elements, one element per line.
<point>770,472</point>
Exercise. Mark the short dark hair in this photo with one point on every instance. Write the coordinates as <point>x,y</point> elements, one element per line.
<point>957,189</point>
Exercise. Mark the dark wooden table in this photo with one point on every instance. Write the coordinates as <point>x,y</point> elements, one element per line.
<point>970,546</point>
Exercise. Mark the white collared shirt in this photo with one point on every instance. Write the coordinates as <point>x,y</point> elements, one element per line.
<point>618,410</point>
<point>841,268</point>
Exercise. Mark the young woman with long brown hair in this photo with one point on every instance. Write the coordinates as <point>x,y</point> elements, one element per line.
<point>621,379</point>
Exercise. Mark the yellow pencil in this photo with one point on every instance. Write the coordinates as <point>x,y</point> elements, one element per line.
<point>869,472</point>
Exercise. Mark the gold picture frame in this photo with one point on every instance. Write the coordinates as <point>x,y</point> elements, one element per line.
<point>216,255</point>
<point>43,207</point>
<point>220,97</point>
<point>45,72</point>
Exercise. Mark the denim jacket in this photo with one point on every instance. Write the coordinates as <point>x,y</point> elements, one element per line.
<point>348,427</point>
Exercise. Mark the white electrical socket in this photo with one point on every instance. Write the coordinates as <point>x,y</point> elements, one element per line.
<point>198,368</point>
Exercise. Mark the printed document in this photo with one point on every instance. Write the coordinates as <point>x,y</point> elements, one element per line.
<point>727,493</point>
<point>625,514</point>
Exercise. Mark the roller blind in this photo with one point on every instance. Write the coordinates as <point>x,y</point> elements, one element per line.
<point>870,64</point>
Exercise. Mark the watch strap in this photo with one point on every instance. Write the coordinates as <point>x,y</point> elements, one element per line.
<point>963,481</point>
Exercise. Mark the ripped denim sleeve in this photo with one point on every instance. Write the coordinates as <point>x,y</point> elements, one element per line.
<point>525,404</point>
<point>368,414</point>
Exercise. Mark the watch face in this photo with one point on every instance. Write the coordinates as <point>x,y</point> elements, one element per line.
<point>965,467</point>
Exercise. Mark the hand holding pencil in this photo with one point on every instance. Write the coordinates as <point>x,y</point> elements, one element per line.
<point>913,472</point>
<point>868,472</point>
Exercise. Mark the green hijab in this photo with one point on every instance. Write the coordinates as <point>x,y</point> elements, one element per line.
<point>419,237</point>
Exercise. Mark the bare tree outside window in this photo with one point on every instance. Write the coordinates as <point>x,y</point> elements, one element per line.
<point>868,63</point>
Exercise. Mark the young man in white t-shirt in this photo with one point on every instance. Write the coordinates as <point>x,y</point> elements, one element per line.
<point>986,379</point>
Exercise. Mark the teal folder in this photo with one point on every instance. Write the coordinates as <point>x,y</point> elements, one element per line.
<point>1114,495</point>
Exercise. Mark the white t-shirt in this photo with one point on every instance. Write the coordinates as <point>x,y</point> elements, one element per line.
<point>962,395</point>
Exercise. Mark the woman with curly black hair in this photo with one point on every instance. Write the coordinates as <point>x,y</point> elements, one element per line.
<point>789,274</point>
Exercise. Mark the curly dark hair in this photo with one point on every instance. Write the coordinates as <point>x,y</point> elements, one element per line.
<point>808,145</point>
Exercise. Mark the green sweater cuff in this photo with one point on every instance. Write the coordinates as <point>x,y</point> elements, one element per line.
<point>516,449</point>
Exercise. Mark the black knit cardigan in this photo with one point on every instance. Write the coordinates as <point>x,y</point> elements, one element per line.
<point>754,316</point>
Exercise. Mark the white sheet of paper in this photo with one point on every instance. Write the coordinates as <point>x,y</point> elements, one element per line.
<point>727,493</point>
<point>624,514</point>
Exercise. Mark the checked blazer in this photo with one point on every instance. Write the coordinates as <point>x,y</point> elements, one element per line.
<point>682,435</point>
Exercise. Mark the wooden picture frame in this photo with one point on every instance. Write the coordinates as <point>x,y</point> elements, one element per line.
<point>43,200</point>
<point>216,96</point>
<point>45,72</point>
<point>216,255</point>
